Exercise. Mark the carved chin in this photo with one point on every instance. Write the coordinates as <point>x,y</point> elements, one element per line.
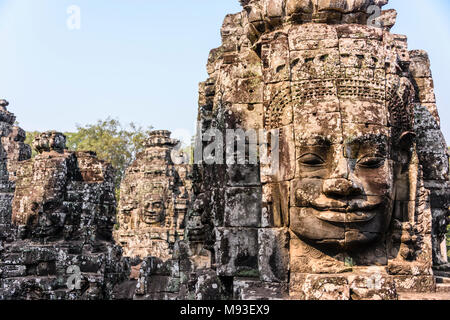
<point>332,229</point>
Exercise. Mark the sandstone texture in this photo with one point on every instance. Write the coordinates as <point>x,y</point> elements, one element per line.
<point>347,197</point>
<point>154,199</point>
<point>358,205</point>
<point>64,212</point>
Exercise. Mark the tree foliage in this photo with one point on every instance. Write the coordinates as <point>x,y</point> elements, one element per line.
<point>29,140</point>
<point>111,140</point>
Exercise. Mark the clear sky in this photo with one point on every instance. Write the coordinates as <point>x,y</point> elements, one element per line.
<point>141,60</point>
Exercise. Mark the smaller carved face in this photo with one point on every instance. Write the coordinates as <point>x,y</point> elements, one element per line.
<point>49,219</point>
<point>154,210</point>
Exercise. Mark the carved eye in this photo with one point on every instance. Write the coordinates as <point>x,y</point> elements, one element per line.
<point>157,205</point>
<point>371,162</point>
<point>311,160</point>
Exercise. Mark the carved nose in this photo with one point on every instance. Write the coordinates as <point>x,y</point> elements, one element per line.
<point>338,188</point>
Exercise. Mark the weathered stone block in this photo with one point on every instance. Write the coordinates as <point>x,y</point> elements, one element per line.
<point>277,105</point>
<point>275,211</point>
<point>13,271</point>
<point>372,287</point>
<point>426,90</point>
<point>280,162</point>
<point>247,289</point>
<point>418,284</point>
<point>245,116</point>
<point>319,287</point>
<point>243,207</point>
<point>321,63</point>
<point>420,64</point>
<point>208,286</point>
<point>243,175</point>
<point>305,258</point>
<point>273,260</point>
<point>237,252</point>
<point>275,58</point>
<point>437,167</point>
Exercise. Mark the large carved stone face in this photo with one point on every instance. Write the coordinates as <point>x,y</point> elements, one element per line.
<point>344,191</point>
<point>154,210</point>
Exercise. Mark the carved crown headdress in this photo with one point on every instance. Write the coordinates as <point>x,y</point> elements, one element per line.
<point>367,67</point>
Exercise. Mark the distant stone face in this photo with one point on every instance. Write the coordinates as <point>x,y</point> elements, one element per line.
<point>154,199</point>
<point>64,208</point>
<point>57,188</point>
<point>50,141</point>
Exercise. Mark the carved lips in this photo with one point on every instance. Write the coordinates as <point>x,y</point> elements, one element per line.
<point>347,215</point>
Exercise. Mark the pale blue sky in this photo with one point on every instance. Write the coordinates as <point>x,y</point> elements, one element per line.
<point>141,60</point>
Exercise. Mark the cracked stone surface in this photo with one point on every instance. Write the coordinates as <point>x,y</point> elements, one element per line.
<point>154,199</point>
<point>358,208</point>
<point>12,151</point>
<point>64,211</point>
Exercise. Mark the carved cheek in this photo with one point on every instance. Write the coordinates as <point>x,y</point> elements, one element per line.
<point>306,191</point>
<point>377,182</point>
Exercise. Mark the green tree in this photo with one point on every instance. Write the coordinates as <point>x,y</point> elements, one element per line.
<point>29,140</point>
<point>112,142</point>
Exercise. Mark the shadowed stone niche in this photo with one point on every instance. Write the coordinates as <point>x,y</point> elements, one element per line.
<point>64,208</point>
<point>154,199</point>
<point>358,207</point>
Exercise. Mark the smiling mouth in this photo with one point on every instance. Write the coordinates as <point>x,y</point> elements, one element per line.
<point>347,214</point>
<point>151,215</point>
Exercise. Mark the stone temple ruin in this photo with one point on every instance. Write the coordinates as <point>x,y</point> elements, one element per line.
<point>63,213</point>
<point>358,208</point>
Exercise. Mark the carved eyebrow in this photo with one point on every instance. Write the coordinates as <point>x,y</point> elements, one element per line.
<point>318,140</point>
<point>382,138</point>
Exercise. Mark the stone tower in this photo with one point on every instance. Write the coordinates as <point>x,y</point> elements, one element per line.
<point>358,205</point>
<point>154,199</point>
<point>64,208</point>
<point>12,151</point>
